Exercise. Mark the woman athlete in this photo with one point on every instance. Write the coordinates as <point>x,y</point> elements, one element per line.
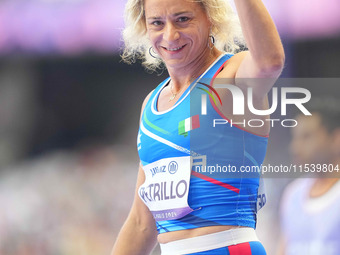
<point>191,195</point>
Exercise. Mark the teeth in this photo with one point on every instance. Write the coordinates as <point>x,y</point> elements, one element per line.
<point>175,48</point>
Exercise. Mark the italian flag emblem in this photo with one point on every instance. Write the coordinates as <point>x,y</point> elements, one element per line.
<point>188,124</point>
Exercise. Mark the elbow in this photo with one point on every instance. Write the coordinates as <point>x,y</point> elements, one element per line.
<point>272,66</point>
<point>144,224</point>
<point>276,63</point>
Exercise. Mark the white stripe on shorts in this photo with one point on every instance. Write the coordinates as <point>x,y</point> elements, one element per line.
<point>210,241</point>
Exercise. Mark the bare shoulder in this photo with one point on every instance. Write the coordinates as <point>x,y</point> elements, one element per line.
<point>232,65</point>
<point>145,102</point>
<point>238,57</point>
<point>147,99</point>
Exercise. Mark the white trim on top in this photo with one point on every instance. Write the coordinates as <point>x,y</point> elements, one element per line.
<point>154,111</point>
<point>162,140</point>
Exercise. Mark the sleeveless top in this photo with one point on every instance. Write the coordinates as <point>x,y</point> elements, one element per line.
<point>310,225</point>
<point>193,168</point>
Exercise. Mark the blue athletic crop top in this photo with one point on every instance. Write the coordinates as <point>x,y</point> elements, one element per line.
<point>196,171</point>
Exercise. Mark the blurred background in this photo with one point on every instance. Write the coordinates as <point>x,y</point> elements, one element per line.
<point>69,113</point>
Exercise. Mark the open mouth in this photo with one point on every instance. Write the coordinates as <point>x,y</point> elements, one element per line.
<point>174,49</point>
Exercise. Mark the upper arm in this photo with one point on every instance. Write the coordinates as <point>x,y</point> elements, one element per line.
<point>247,74</point>
<point>139,210</point>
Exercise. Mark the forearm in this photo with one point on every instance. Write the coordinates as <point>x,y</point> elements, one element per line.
<point>260,33</point>
<point>135,239</point>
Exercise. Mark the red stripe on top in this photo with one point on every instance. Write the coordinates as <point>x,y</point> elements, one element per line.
<point>195,121</point>
<point>218,71</point>
<point>240,249</point>
<point>214,181</point>
<point>218,110</point>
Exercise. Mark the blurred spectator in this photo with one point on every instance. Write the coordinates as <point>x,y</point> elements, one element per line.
<point>17,109</point>
<point>310,206</point>
<point>66,202</point>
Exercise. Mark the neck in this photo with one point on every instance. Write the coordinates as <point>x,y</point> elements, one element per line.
<point>182,77</point>
<point>321,186</point>
<point>325,182</point>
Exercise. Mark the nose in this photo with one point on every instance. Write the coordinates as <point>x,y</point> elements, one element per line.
<point>171,33</point>
<point>295,149</point>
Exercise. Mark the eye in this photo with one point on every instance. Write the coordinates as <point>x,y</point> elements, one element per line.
<point>157,23</point>
<point>183,19</point>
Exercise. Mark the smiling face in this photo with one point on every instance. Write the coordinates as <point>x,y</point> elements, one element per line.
<point>178,30</point>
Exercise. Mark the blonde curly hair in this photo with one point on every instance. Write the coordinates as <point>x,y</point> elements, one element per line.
<point>225,29</point>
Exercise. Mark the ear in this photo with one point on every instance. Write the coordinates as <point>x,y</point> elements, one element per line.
<point>336,143</point>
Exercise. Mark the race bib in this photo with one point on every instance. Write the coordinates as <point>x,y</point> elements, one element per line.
<point>166,188</point>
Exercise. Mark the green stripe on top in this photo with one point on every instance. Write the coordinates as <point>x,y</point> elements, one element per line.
<point>154,126</point>
<point>181,128</point>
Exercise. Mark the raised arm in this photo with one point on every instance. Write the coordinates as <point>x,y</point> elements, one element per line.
<point>265,58</point>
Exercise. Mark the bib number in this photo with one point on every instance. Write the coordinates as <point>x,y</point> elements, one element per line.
<point>166,188</point>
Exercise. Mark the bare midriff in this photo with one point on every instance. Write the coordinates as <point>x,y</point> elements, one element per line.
<point>188,233</point>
